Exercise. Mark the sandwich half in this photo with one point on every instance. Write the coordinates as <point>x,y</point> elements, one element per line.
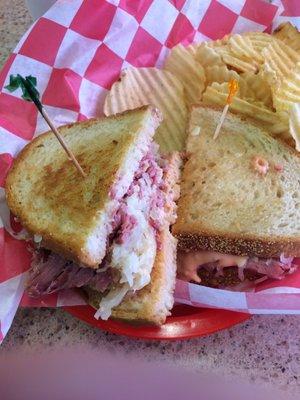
<point>239,210</point>
<point>106,233</point>
<point>153,302</point>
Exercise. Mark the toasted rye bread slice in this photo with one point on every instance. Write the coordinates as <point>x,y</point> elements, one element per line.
<point>153,303</point>
<point>74,214</point>
<point>226,205</point>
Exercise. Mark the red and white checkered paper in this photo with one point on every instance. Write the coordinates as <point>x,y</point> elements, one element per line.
<point>76,51</point>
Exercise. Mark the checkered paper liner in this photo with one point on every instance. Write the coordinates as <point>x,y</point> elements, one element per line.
<point>76,51</point>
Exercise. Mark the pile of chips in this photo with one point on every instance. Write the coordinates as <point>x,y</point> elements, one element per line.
<point>266,67</point>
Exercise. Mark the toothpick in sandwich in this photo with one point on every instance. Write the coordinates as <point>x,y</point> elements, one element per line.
<point>30,93</point>
<point>233,87</point>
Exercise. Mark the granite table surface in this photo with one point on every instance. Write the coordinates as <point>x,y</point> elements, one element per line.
<point>264,350</point>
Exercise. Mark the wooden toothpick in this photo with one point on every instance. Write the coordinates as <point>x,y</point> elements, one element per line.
<point>62,142</point>
<point>233,88</point>
<point>30,93</point>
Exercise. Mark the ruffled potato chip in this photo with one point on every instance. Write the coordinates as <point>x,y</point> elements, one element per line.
<point>289,91</point>
<point>281,69</point>
<point>290,35</point>
<point>140,86</point>
<point>192,48</point>
<point>258,87</point>
<point>216,95</point>
<point>238,64</point>
<point>243,91</point>
<point>207,56</point>
<point>280,60</point>
<point>220,74</point>
<point>219,42</point>
<point>229,58</point>
<point>259,40</point>
<point>184,66</point>
<point>241,47</point>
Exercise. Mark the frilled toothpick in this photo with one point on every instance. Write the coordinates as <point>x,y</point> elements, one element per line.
<point>30,93</point>
<point>233,87</point>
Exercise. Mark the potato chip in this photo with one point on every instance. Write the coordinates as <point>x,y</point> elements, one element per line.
<point>243,91</point>
<point>251,86</point>
<point>238,64</point>
<point>183,65</point>
<point>289,91</point>
<point>294,124</point>
<point>141,86</point>
<point>219,42</point>
<point>259,40</point>
<point>280,59</point>
<point>216,94</point>
<point>257,87</point>
<point>282,71</point>
<point>231,60</point>
<point>289,35</point>
<point>220,74</point>
<point>192,48</point>
<point>246,91</point>
<point>242,48</point>
<point>208,56</point>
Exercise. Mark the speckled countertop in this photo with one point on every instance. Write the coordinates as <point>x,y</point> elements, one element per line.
<point>265,350</point>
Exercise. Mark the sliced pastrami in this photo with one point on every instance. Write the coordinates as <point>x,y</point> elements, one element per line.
<point>51,272</point>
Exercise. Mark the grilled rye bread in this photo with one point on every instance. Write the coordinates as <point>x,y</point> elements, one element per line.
<point>228,204</point>
<point>71,213</point>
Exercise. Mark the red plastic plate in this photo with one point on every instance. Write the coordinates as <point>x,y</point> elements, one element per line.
<point>185,322</point>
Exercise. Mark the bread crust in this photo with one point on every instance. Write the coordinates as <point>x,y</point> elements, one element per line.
<point>240,246</point>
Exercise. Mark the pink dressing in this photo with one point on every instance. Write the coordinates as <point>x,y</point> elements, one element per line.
<point>188,264</point>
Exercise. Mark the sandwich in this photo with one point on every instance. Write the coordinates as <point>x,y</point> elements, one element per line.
<point>109,233</point>
<point>239,211</point>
